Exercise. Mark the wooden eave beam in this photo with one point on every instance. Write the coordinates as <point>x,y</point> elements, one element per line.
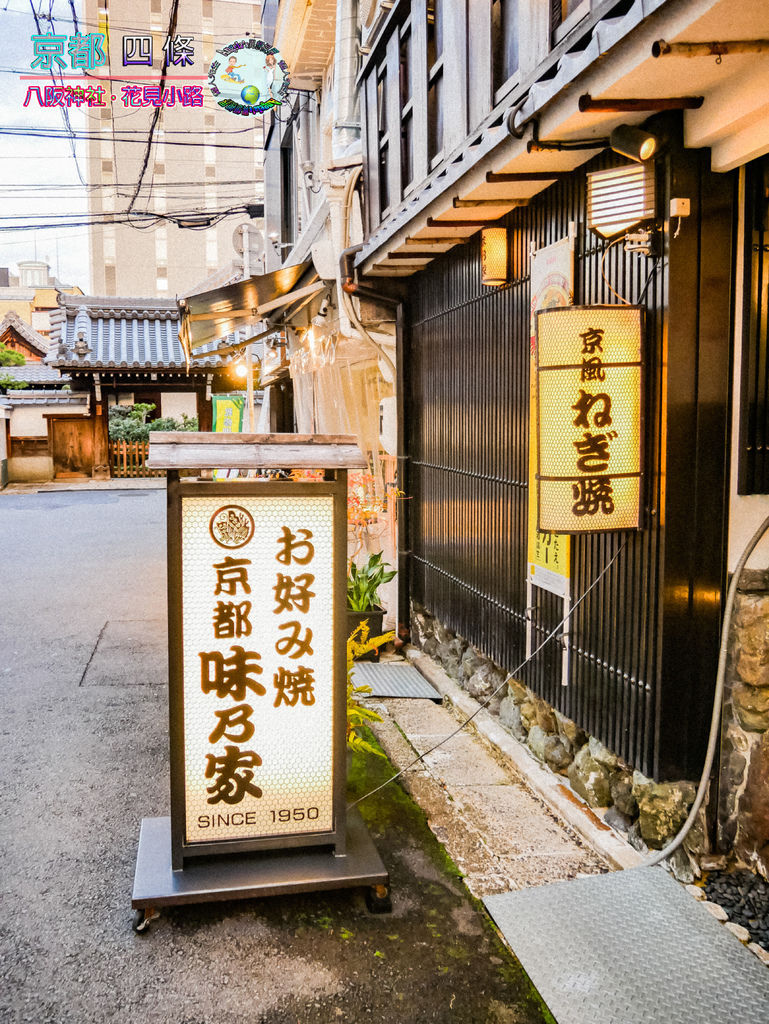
<point>412,255</point>
<point>505,177</point>
<point>433,223</point>
<point>461,204</point>
<point>586,103</point>
<point>436,240</point>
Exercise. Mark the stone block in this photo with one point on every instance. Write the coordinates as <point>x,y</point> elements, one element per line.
<point>752,641</point>
<point>528,714</point>
<point>569,731</point>
<point>617,820</point>
<point>458,645</point>
<point>545,716</point>
<point>718,912</point>
<point>557,755</point>
<point>441,633</point>
<point>682,867</point>
<point>510,717</point>
<point>751,706</point>
<point>430,647</point>
<point>536,741</point>
<point>421,628</point>
<point>662,809</point>
<point>602,754</point>
<point>485,680</point>
<point>590,779</point>
<point>696,892</point>
<point>621,787</point>
<point>738,932</point>
<point>517,690</point>
<point>760,952</point>
<point>753,829</point>
<point>471,661</point>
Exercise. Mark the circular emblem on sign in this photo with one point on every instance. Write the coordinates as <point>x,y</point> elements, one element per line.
<point>231,526</point>
<point>248,76</point>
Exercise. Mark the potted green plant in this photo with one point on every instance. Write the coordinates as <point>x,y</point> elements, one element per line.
<point>363,583</point>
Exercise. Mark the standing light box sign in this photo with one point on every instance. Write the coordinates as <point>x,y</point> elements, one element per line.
<point>589,405</point>
<point>257,631</point>
<point>257,578</point>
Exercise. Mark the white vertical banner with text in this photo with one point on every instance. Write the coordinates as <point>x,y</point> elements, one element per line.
<point>548,554</point>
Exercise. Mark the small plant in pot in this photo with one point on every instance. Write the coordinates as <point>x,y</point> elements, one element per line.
<point>363,583</point>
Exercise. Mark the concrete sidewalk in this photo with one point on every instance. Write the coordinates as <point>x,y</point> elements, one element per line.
<point>499,833</point>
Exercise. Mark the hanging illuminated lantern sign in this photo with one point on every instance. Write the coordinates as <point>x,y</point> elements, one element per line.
<point>589,415</point>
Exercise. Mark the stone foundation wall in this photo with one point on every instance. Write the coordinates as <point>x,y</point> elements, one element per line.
<point>649,813</point>
<point>743,808</point>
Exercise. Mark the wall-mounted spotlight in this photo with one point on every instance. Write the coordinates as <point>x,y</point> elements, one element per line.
<point>634,143</point>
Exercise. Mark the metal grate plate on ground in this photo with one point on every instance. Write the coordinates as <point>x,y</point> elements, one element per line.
<point>393,679</point>
<point>631,947</point>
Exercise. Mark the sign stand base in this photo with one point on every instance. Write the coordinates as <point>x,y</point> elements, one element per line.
<point>251,875</point>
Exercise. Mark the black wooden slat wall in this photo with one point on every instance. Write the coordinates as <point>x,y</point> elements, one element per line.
<point>754,428</point>
<point>467,371</point>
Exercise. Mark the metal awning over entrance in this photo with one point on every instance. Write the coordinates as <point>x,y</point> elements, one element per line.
<point>208,317</point>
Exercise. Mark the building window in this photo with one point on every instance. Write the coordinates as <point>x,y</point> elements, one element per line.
<point>288,183</point>
<point>382,138</point>
<point>109,280</point>
<point>434,80</point>
<point>753,470</point>
<point>504,41</point>
<point>407,111</point>
<point>564,15</point>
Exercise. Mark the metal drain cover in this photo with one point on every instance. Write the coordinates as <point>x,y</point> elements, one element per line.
<point>393,679</point>
<point>631,947</point>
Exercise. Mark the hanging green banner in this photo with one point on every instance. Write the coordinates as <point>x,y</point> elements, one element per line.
<point>227,419</point>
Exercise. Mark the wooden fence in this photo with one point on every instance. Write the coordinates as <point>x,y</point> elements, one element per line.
<point>128,458</point>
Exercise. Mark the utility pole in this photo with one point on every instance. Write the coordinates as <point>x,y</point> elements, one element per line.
<point>249,347</point>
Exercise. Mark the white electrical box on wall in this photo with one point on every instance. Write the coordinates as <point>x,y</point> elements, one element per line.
<point>388,425</point>
<point>680,207</point>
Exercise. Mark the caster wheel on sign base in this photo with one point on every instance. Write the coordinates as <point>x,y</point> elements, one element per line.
<point>142,918</point>
<point>378,899</point>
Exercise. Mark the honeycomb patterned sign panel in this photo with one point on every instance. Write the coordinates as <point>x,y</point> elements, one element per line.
<point>589,419</point>
<point>258,665</point>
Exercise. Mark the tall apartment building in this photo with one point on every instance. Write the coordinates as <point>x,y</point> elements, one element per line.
<point>221,169</point>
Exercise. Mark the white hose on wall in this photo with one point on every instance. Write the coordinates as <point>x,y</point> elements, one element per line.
<point>715,720</point>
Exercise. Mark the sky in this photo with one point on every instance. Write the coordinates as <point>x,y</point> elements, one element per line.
<point>38,165</point>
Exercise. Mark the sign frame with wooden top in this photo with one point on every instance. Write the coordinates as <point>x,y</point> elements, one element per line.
<point>257,735</point>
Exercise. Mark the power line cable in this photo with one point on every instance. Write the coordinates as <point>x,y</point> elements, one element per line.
<point>64,112</point>
<point>88,136</point>
<point>510,675</point>
<point>156,112</point>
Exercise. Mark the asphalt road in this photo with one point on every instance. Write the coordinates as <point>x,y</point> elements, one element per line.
<point>84,758</point>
